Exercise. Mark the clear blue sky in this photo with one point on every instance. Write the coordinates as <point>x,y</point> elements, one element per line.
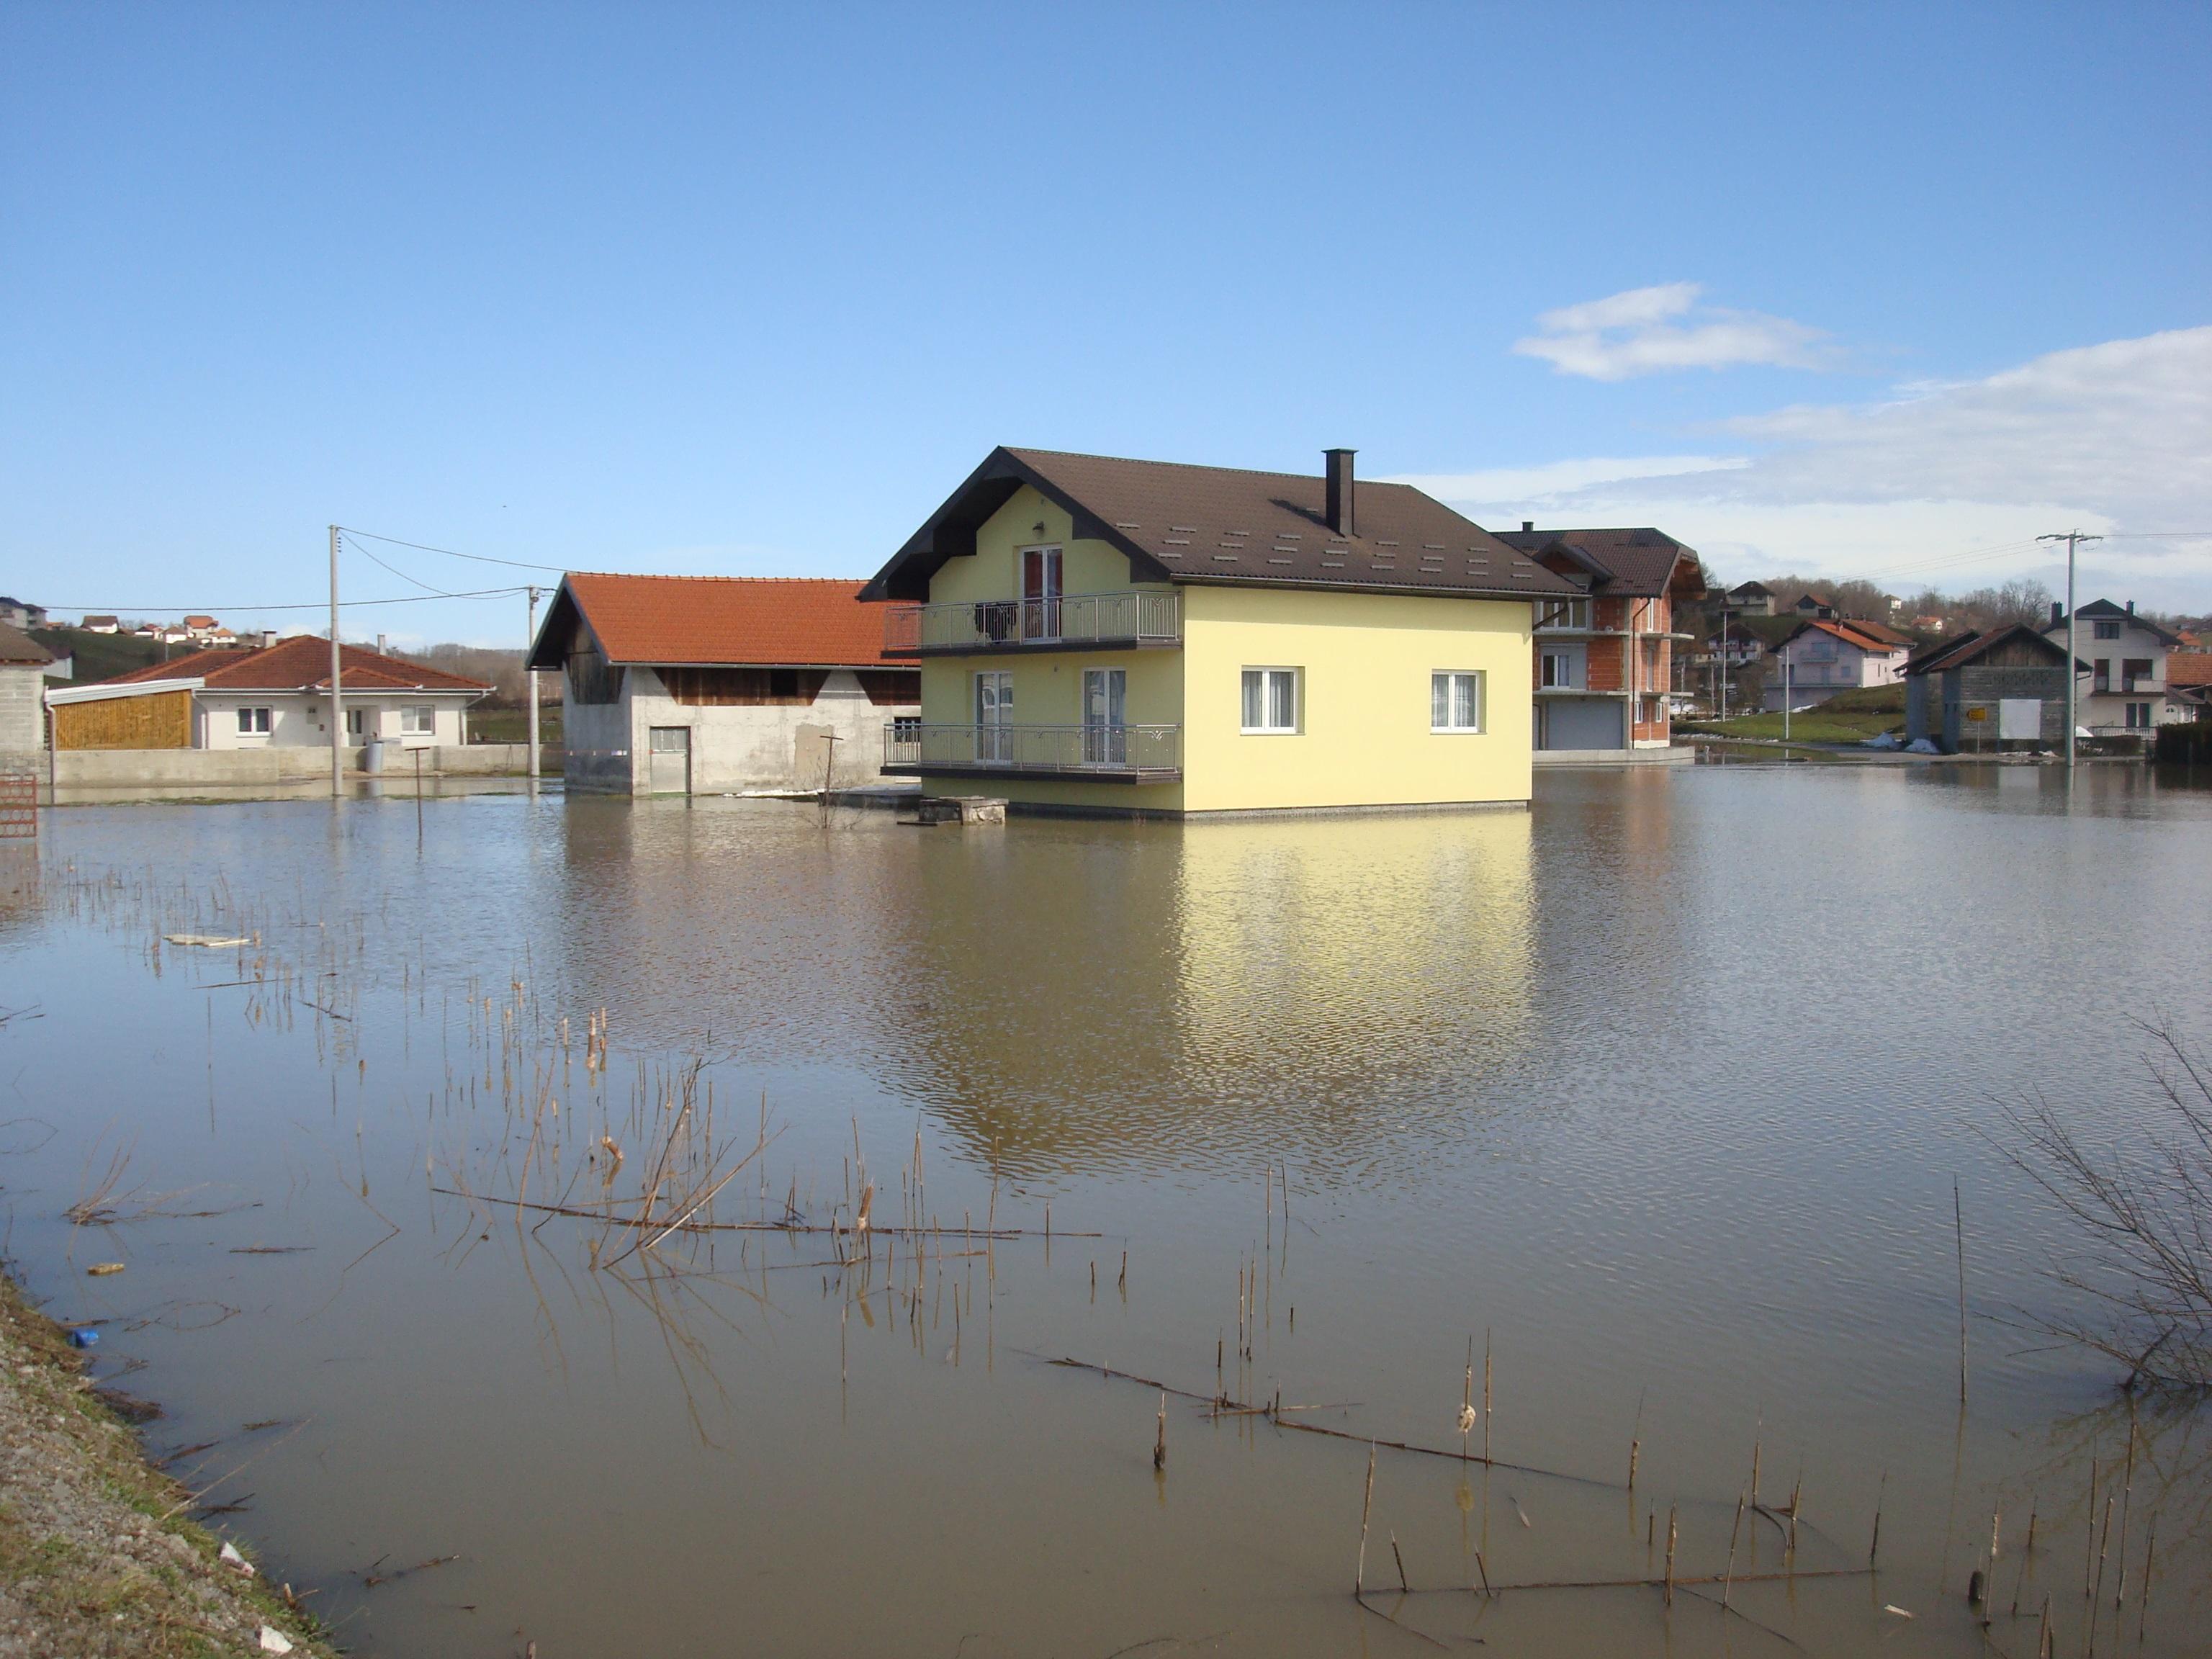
<point>710,289</point>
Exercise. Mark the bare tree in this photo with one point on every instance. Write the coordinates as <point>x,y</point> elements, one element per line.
<point>2147,1215</point>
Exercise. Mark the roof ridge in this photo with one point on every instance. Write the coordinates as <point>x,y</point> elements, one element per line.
<point>1204,467</point>
<point>663,576</point>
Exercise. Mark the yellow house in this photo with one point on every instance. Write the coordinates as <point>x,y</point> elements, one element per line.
<point>1105,635</point>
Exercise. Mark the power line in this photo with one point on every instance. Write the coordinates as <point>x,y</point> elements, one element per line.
<point>439,592</point>
<point>318,605</point>
<point>479,558</point>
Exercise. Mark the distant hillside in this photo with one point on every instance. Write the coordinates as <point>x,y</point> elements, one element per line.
<point>102,656</point>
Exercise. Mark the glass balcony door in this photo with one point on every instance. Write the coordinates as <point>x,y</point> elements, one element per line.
<point>994,718</point>
<point>1105,717</point>
<point>1041,592</point>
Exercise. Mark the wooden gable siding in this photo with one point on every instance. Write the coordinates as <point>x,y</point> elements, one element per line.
<point>162,720</point>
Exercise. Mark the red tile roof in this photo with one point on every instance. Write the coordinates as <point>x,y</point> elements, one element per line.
<point>298,663</point>
<point>803,622</point>
<point>1859,634</point>
<point>2189,668</point>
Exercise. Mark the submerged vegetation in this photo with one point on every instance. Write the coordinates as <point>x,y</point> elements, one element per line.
<point>2147,1214</point>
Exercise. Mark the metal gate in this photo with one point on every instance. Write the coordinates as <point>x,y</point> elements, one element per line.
<point>19,803</point>
<point>668,764</point>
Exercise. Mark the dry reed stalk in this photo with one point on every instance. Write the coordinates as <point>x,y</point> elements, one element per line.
<point>1160,1437</point>
<point>1728,1581</point>
<point>1486,1394</point>
<point>2027,1550</point>
<point>1873,1547</point>
<point>1670,1555</point>
<point>2127,1496</point>
<point>1366,1505</point>
<point>2142,1602</point>
<point>1404,1589</point>
<point>2089,1542</point>
<point>2097,1597</point>
<point>1467,1402</point>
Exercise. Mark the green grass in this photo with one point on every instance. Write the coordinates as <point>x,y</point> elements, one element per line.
<point>512,725</point>
<point>1850,717</point>
<point>102,656</point>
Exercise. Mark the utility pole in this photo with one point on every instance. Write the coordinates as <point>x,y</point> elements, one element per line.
<point>337,710</point>
<point>2072,538</point>
<point>529,685</point>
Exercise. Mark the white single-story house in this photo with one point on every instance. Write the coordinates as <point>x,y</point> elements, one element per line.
<point>274,696</point>
<point>721,684</point>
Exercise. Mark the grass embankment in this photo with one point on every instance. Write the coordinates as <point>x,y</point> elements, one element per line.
<point>95,1559</point>
<point>512,725</point>
<point>1847,717</point>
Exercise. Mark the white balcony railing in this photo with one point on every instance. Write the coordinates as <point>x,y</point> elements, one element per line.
<point>1123,750</point>
<point>1133,617</point>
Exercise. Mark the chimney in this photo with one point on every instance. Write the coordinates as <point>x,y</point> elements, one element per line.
<point>380,646</point>
<point>2057,613</point>
<point>1527,526</point>
<point>2131,607</point>
<point>1337,464</point>
<point>268,639</point>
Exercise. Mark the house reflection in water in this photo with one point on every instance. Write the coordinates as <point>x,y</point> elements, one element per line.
<point>1325,990</point>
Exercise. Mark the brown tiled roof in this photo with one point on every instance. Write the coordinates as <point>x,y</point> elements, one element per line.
<point>1222,525</point>
<point>1637,563</point>
<point>301,663</point>
<point>2189,668</point>
<point>17,646</point>
<point>801,621</point>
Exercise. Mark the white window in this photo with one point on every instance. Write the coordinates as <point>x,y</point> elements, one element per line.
<point>1557,671</point>
<point>1455,702</point>
<point>357,722</point>
<point>1271,700</point>
<point>255,721</point>
<point>418,720</point>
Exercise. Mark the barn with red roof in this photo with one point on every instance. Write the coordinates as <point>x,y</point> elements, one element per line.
<point>722,684</point>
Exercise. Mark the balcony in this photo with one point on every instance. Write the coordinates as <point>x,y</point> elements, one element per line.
<point>1110,754</point>
<point>1116,621</point>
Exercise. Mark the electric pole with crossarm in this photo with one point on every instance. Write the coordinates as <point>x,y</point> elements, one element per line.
<point>2072,538</point>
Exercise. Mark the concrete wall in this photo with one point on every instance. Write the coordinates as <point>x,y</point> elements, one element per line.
<point>734,747</point>
<point>168,769</point>
<point>23,715</point>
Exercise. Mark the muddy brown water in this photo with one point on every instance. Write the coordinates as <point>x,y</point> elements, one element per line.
<point>1660,1088</point>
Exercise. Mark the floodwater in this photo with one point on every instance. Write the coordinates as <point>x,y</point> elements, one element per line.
<point>1656,1093</point>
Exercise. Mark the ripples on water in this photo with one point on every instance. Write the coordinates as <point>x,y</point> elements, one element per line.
<point>1663,1084</point>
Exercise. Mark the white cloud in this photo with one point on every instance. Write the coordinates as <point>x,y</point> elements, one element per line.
<point>2112,439</point>
<point>1644,331</point>
<point>1555,477</point>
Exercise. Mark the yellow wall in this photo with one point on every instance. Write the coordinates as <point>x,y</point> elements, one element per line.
<point>1364,662</point>
<point>994,571</point>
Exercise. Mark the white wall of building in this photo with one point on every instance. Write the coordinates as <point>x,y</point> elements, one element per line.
<point>297,720</point>
<point>732,748</point>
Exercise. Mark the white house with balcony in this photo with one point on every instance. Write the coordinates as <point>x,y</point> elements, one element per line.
<point>1821,657</point>
<point>2125,691</point>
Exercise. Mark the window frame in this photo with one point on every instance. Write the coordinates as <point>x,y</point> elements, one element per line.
<point>255,720</point>
<point>1481,699</point>
<point>426,711</point>
<point>1266,671</point>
